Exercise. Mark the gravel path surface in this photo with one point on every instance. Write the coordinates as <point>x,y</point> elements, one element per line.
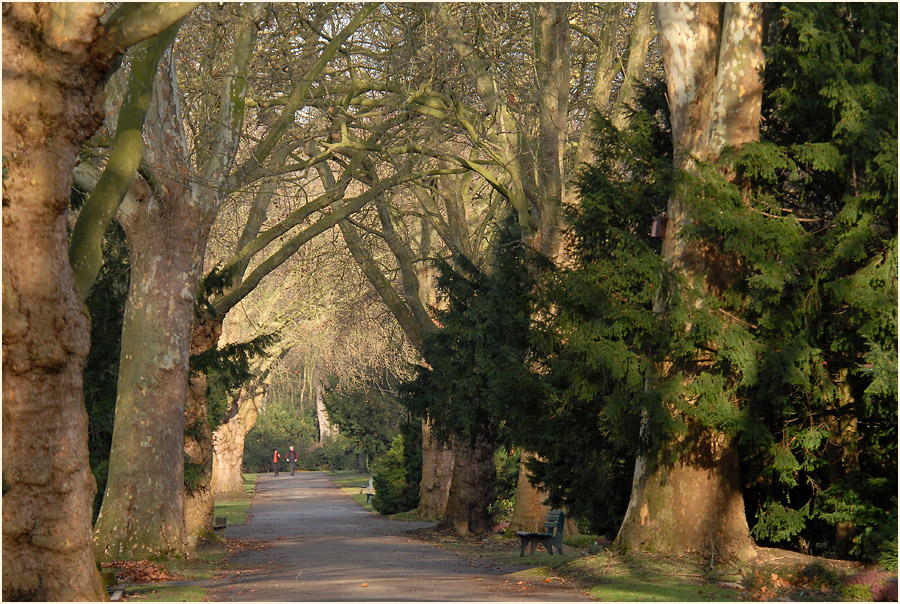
<point>308,541</point>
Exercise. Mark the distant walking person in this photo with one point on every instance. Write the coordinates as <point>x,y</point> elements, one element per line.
<point>275,459</point>
<point>292,458</point>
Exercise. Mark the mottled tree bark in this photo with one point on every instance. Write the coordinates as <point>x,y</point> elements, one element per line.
<point>551,35</point>
<point>168,237</point>
<point>198,441</point>
<point>437,471</point>
<point>142,512</point>
<point>228,445</point>
<point>642,32</point>
<point>55,57</point>
<point>326,431</point>
<point>85,251</point>
<point>713,60</point>
<point>49,110</point>
<point>228,439</point>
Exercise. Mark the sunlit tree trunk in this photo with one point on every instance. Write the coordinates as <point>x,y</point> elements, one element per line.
<point>228,439</point>
<point>713,59</point>
<point>49,110</point>
<point>530,505</point>
<point>55,57</point>
<point>228,444</point>
<point>325,429</point>
<point>642,32</point>
<point>143,509</point>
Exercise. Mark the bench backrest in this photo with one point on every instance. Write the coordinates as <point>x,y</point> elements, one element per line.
<point>556,519</point>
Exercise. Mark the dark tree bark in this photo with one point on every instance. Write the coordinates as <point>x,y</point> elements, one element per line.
<point>471,487</point>
<point>437,470</point>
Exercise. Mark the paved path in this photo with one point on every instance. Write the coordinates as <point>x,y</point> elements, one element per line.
<point>311,542</point>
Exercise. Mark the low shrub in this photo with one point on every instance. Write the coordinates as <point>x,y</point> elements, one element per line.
<point>856,593</point>
<point>393,491</point>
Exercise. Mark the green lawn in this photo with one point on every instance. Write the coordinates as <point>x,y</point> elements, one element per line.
<point>350,482</point>
<point>236,507</point>
<point>643,577</point>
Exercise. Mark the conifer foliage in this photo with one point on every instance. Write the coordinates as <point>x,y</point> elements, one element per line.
<point>596,338</point>
<point>478,380</point>
<point>796,328</point>
<point>814,230</point>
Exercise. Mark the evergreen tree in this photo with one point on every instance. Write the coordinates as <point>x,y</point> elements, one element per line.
<point>597,338</point>
<point>813,229</point>
<point>478,379</point>
<point>369,416</point>
<point>797,327</point>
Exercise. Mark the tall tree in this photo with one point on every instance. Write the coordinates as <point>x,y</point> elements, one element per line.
<point>56,57</point>
<point>477,368</point>
<point>216,176</point>
<point>814,232</point>
<point>693,501</point>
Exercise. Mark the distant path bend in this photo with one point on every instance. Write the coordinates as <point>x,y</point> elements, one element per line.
<point>311,542</point>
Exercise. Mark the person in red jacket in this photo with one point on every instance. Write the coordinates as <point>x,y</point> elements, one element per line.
<point>292,458</point>
<point>275,459</point>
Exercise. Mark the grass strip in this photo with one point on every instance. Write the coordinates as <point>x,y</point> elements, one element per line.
<point>351,482</point>
<point>236,507</point>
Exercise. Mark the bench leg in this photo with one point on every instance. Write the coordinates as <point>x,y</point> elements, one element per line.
<point>524,543</point>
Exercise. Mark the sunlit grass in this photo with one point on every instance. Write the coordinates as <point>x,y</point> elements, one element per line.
<point>351,483</point>
<point>644,577</point>
<point>236,507</point>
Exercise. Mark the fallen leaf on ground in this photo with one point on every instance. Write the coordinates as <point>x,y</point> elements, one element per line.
<point>365,584</point>
<point>139,571</point>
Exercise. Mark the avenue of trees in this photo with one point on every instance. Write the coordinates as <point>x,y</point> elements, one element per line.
<point>635,260</point>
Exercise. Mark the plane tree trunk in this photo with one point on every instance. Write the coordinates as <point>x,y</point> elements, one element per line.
<point>326,431</point>
<point>55,57</point>
<point>437,469</point>
<point>228,439</point>
<point>713,59</point>
<point>228,444</point>
<point>49,110</point>
<point>471,489</point>
<point>143,509</point>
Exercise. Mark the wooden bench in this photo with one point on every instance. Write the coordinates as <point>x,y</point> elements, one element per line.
<point>550,538</point>
<point>219,524</point>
